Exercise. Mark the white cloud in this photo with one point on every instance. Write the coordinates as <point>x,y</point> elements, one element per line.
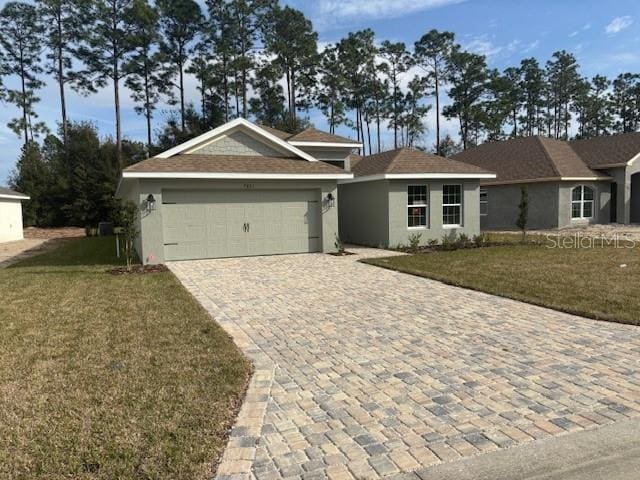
<point>573,34</point>
<point>483,46</point>
<point>374,9</point>
<point>531,46</point>
<point>618,24</point>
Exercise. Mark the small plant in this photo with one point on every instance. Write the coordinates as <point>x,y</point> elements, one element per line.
<point>128,220</point>
<point>463,240</point>
<point>414,241</point>
<point>448,243</point>
<point>432,242</point>
<point>480,240</point>
<point>523,212</point>
<point>339,244</point>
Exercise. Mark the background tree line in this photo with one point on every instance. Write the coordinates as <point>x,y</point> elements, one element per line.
<point>260,60</point>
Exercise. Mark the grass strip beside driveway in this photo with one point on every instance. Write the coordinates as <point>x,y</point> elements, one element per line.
<point>105,377</point>
<point>583,281</point>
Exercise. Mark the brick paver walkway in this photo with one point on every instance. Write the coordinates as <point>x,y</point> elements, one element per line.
<point>363,372</point>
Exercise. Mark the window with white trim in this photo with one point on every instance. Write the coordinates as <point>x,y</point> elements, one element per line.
<point>582,202</point>
<point>484,202</point>
<point>452,205</point>
<point>417,206</point>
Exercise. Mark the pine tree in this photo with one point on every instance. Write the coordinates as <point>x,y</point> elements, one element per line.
<point>180,22</point>
<point>145,77</point>
<point>396,62</point>
<point>62,21</point>
<point>20,42</point>
<point>531,85</point>
<point>330,89</point>
<point>432,52</point>
<point>32,177</point>
<point>106,48</point>
<point>268,105</point>
<point>562,76</point>
<point>625,101</point>
<point>290,37</point>
<point>467,73</point>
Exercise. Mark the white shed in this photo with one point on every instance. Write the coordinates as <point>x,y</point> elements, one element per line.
<point>11,215</point>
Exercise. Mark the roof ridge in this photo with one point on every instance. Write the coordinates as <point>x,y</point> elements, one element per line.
<point>547,154</point>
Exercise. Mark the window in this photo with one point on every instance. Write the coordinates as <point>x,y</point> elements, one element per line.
<point>452,205</point>
<point>582,202</point>
<point>417,206</point>
<point>484,202</point>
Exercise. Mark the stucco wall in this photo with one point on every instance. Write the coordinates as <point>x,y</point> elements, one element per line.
<point>238,143</point>
<point>399,232</point>
<point>632,175</point>
<point>503,201</point>
<point>151,248</point>
<point>364,213</point>
<point>601,208</point>
<point>10,220</point>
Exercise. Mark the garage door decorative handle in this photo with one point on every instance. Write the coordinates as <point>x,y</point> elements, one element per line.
<point>246,227</point>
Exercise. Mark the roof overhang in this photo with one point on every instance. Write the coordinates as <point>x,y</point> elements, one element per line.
<point>237,176</point>
<point>324,144</point>
<point>420,176</point>
<point>548,179</point>
<point>14,197</point>
<point>242,123</point>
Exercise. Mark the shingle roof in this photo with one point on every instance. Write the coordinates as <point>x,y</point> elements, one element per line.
<point>407,160</point>
<point>313,135</point>
<point>274,131</point>
<point>608,150</point>
<point>528,159</point>
<point>193,163</point>
<point>11,193</point>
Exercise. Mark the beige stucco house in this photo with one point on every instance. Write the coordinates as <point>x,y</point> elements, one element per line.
<point>11,215</point>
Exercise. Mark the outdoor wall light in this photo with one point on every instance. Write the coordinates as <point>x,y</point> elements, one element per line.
<point>330,201</point>
<point>151,203</point>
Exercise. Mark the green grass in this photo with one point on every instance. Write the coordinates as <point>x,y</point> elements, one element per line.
<point>585,281</point>
<point>110,377</point>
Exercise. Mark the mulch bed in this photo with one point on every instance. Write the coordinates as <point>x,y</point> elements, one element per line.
<point>341,254</point>
<point>138,270</point>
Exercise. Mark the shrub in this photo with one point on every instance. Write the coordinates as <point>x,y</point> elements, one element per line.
<point>339,244</point>
<point>127,218</point>
<point>480,240</point>
<point>414,241</point>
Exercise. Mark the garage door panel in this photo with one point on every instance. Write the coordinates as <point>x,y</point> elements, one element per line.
<point>211,224</point>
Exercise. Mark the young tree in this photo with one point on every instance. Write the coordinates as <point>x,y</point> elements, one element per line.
<point>523,212</point>
<point>290,37</point>
<point>432,52</point>
<point>20,41</point>
<point>107,44</point>
<point>396,62</point>
<point>467,73</point>
<point>180,22</point>
<point>62,21</point>
<point>145,77</point>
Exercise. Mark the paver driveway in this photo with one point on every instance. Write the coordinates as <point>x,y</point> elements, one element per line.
<point>364,372</point>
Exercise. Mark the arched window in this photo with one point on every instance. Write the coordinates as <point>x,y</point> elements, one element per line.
<point>582,202</point>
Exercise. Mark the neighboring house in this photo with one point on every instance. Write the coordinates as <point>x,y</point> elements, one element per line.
<point>239,190</point>
<point>11,215</point>
<point>569,183</point>
<point>404,192</point>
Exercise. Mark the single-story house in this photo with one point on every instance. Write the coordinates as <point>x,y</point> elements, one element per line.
<point>569,183</point>
<point>239,190</point>
<point>11,215</point>
<point>405,192</point>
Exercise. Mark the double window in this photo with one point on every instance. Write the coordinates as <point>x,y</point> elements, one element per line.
<point>582,202</point>
<point>417,206</point>
<point>484,202</point>
<point>452,205</point>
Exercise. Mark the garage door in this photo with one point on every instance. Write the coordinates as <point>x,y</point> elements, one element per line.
<point>215,224</point>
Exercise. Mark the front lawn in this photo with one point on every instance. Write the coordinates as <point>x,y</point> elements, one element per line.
<point>110,377</point>
<point>585,281</point>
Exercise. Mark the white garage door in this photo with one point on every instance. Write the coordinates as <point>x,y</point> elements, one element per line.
<point>215,224</point>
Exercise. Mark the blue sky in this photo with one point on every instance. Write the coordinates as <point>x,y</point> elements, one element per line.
<point>605,37</point>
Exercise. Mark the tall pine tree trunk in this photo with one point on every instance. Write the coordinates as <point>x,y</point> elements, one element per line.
<point>24,100</point>
<point>116,99</point>
<point>182,109</point>
<point>147,106</point>
<point>437,92</point>
<point>63,105</point>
